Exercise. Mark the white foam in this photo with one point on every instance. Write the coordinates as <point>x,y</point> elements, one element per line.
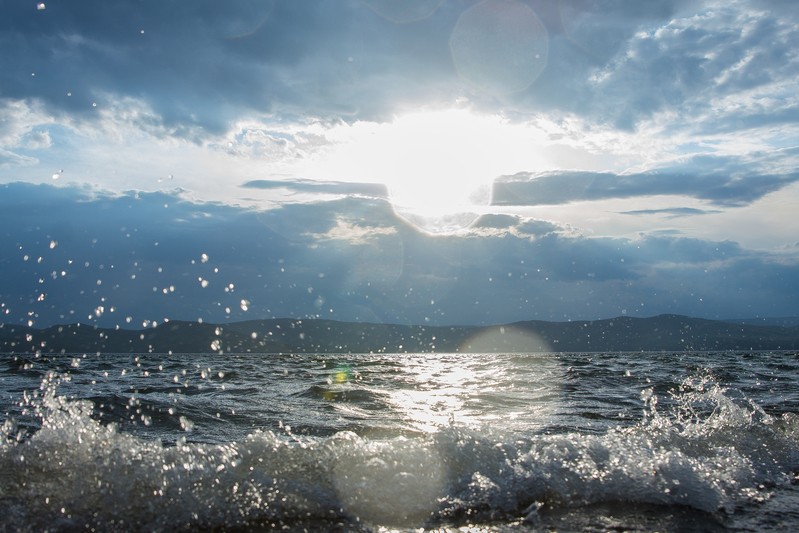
<point>710,451</point>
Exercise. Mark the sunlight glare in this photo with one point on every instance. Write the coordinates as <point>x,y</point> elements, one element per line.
<point>456,390</point>
<point>438,165</point>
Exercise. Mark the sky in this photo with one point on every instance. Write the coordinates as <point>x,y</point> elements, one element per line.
<point>425,162</point>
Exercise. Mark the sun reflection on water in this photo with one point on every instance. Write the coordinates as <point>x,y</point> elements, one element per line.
<point>501,391</point>
<point>399,480</point>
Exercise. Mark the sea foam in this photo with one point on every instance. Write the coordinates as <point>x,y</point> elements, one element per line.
<point>704,448</point>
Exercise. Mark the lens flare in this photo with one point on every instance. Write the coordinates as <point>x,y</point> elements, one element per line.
<point>404,10</point>
<point>500,46</point>
<point>506,339</point>
<point>387,483</point>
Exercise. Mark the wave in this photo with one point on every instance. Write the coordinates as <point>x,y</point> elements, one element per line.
<point>707,454</point>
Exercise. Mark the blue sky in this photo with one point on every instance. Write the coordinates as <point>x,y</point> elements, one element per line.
<point>429,161</point>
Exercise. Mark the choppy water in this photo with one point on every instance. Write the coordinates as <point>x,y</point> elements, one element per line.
<point>508,442</point>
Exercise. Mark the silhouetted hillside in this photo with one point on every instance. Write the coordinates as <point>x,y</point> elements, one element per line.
<point>664,332</point>
<point>784,321</point>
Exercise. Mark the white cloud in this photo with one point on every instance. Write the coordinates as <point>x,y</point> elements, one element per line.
<point>11,159</point>
<point>22,121</point>
<point>353,232</point>
<point>726,59</point>
<point>37,140</point>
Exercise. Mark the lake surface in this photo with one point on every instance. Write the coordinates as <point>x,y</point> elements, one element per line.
<point>502,442</point>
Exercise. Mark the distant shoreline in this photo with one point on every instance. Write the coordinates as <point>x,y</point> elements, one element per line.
<point>286,335</point>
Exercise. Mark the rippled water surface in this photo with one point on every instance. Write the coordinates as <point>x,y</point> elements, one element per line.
<point>646,441</point>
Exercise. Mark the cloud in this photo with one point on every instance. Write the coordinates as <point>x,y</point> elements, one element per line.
<point>11,159</point>
<point>210,64</point>
<point>718,53</point>
<point>526,188</point>
<point>149,256</point>
<point>353,232</point>
<point>500,225</point>
<point>672,212</point>
<point>21,120</point>
<point>374,190</point>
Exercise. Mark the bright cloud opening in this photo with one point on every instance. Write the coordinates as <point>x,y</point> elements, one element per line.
<point>435,164</point>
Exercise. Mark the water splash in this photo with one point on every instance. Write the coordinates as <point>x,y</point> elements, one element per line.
<point>704,447</point>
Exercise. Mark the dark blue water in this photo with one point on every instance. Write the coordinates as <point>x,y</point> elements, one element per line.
<point>505,442</point>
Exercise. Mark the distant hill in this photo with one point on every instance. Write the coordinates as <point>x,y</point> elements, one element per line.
<point>659,333</point>
<point>784,321</point>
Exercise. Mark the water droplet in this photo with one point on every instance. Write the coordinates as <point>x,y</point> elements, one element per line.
<point>186,424</point>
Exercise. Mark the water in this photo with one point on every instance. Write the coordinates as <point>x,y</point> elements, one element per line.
<point>502,442</point>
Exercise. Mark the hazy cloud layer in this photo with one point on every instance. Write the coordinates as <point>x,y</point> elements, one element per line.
<point>562,187</point>
<point>671,212</point>
<point>135,258</point>
<point>376,190</point>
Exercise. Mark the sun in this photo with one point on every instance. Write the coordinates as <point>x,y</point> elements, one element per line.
<point>438,166</point>
<point>435,163</point>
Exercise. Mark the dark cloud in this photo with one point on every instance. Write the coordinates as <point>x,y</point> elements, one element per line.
<point>71,254</point>
<point>201,66</point>
<point>552,188</point>
<point>585,36</point>
<point>211,63</point>
<point>672,212</point>
<point>375,190</point>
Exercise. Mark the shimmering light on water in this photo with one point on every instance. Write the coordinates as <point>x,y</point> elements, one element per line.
<point>464,391</point>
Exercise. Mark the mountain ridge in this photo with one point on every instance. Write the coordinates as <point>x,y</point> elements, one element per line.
<point>666,332</point>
